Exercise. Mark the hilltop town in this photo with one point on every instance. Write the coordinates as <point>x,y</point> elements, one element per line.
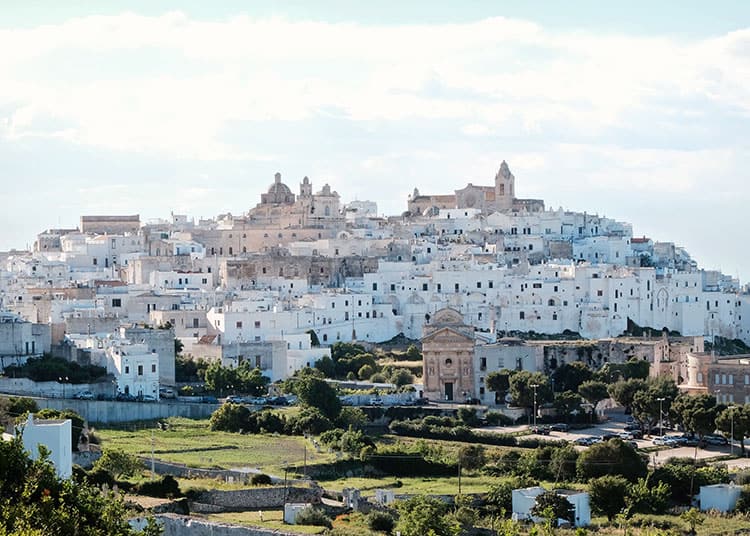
<point>474,308</point>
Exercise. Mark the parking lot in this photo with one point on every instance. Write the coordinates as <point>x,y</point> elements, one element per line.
<point>616,427</point>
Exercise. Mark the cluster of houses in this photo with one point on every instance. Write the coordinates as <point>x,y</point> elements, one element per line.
<point>278,285</point>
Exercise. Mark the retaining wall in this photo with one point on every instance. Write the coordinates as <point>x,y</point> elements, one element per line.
<point>111,411</point>
<point>257,498</point>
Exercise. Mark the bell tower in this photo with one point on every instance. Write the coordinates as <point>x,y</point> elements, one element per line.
<point>505,188</point>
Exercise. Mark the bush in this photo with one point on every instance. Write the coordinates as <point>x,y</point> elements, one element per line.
<point>495,418</point>
<point>380,521</point>
<point>313,516</point>
<point>166,487</point>
<point>261,479</point>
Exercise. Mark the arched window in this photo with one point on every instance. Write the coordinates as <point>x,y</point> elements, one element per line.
<point>448,362</point>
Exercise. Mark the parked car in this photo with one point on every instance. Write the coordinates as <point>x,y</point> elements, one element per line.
<point>559,427</point>
<point>148,398</point>
<point>541,430</point>
<point>665,441</point>
<point>715,439</point>
<point>277,401</point>
<point>376,401</point>
<point>587,440</point>
<point>125,397</point>
<point>84,395</point>
<point>472,401</point>
<point>209,399</point>
<point>632,426</point>
<point>166,392</point>
<point>609,435</point>
<point>234,399</point>
<point>257,401</point>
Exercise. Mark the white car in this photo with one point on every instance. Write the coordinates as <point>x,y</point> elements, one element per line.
<point>84,395</point>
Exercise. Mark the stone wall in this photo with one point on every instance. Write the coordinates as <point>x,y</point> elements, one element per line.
<point>256,498</point>
<point>176,525</point>
<point>110,411</point>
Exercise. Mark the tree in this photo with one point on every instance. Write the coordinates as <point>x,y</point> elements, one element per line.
<point>608,494</point>
<point>326,365</point>
<point>498,381</point>
<point>550,505</point>
<point>178,346</point>
<point>522,392</point>
<point>624,391</point>
<point>230,418</point>
<point>423,515</point>
<point>563,463</point>
<point>694,518</point>
<point>365,371</point>
<point>593,392</point>
<point>696,413</point>
<point>647,404</point>
<point>413,353</point>
<point>35,502</point>
<point>401,376</point>
<point>571,375</point>
<point>631,369</point>
<point>118,463</point>
<point>472,457</point>
<point>645,497</point>
<point>317,393</point>
<point>351,416</point>
<point>567,403</point>
<point>611,457</point>
<point>737,418</point>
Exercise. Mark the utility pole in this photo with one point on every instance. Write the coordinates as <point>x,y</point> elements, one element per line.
<point>153,472</point>
<point>534,386</point>
<point>661,416</point>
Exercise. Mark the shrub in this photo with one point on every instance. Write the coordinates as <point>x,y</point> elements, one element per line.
<point>495,418</point>
<point>313,516</point>
<point>166,487</point>
<point>380,521</point>
<point>261,479</point>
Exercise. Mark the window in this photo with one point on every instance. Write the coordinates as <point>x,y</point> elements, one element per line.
<point>257,324</point>
<point>393,287</point>
<point>153,368</point>
<point>127,369</point>
<point>116,302</point>
<point>522,315</point>
<point>482,363</point>
<point>479,284</point>
<point>239,325</point>
<point>456,287</point>
<point>448,362</point>
<point>490,284</point>
<point>140,370</point>
<point>205,281</point>
<point>424,286</point>
<point>554,316</point>
<point>599,293</point>
<point>374,286</point>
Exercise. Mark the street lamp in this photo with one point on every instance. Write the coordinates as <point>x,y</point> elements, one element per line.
<point>661,416</point>
<point>534,386</point>
<point>62,380</point>
<point>731,429</point>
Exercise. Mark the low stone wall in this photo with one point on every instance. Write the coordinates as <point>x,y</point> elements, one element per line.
<point>86,459</point>
<point>176,525</point>
<point>257,498</point>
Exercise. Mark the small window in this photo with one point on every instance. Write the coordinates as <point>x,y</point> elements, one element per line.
<point>127,369</point>
<point>153,368</point>
<point>140,370</point>
<point>239,325</point>
<point>257,324</point>
<point>448,362</point>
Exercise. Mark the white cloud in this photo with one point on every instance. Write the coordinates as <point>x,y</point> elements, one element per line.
<point>242,69</point>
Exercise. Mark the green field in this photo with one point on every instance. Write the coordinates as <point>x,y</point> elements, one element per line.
<point>192,443</point>
<point>272,520</point>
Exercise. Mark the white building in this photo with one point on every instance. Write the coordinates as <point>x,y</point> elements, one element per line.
<point>55,436</point>
<point>719,497</point>
<point>135,367</point>
<point>524,499</point>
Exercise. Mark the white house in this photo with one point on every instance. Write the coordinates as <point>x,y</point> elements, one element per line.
<point>136,369</point>
<point>524,499</point>
<point>720,497</point>
<point>55,436</point>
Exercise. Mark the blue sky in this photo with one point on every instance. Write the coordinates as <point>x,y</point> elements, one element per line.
<point>638,111</point>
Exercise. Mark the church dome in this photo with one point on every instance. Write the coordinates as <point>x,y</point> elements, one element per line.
<point>278,193</point>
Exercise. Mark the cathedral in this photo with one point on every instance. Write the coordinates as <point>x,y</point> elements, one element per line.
<point>279,206</point>
<point>498,198</point>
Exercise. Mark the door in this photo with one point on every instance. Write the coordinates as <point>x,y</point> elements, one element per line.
<point>448,390</point>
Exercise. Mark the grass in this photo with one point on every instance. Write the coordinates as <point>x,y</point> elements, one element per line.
<point>416,485</point>
<point>272,520</point>
<point>192,443</point>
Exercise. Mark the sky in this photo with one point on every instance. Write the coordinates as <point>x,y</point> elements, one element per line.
<point>638,111</point>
